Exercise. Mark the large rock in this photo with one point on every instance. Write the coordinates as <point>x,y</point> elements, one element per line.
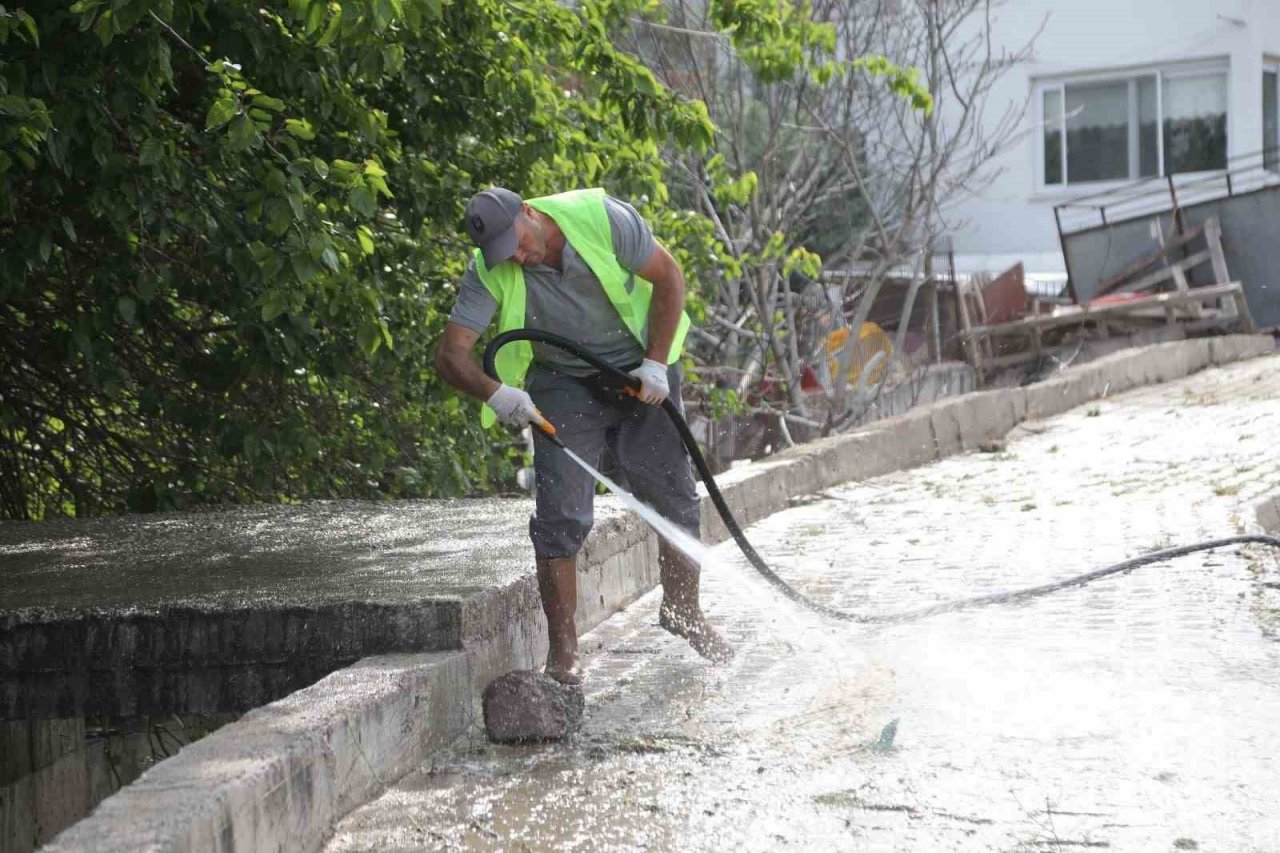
<point>531,706</point>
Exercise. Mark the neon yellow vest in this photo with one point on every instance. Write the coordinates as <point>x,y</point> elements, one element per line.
<point>582,217</point>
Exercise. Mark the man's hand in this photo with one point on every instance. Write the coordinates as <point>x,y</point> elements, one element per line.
<point>514,407</point>
<point>653,381</point>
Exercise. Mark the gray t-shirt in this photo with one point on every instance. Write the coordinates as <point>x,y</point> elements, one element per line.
<point>571,303</point>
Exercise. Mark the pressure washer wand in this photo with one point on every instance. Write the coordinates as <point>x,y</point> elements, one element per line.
<point>549,429</point>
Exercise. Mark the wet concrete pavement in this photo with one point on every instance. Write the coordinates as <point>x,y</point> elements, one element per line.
<point>1137,713</point>
<point>304,555</point>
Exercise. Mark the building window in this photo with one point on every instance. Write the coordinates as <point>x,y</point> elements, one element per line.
<point>1132,127</point>
<point>1270,120</point>
<point>1053,136</point>
<point>1195,123</point>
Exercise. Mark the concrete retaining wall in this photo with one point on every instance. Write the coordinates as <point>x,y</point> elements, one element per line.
<point>199,661</point>
<point>282,775</point>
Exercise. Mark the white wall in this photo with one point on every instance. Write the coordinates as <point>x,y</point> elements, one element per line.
<point>1011,219</point>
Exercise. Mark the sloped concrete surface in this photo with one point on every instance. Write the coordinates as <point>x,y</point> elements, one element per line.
<point>501,629</point>
<point>1137,713</point>
<point>223,611</point>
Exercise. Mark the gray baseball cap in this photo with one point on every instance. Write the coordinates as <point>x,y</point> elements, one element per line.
<point>491,223</point>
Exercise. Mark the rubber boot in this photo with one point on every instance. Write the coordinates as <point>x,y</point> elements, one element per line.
<point>681,613</point>
<point>558,588</point>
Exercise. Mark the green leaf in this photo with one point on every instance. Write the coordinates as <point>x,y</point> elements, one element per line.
<point>365,235</point>
<point>222,111</point>
<point>69,228</point>
<point>330,259</point>
<point>151,151</point>
<point>104,27</point>
<point>379,184</point>
<point>241,134</point>
<point>331,31</point>
<point>383,13</point>
<point>369,337</point>
<point>279,215</point>
<point>16,106</point>
<point>303,267</point>
<point>275,181</point>
<point>363,200</point>
<point>127,309</point>
<point>268,103</point>
<point>315,17</point>
<point>274,303</point>
<point>300,128</point>
<point>392,59</point>
<point>30,23</point>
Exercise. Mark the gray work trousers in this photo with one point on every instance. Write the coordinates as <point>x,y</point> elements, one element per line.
<point>644,443</point>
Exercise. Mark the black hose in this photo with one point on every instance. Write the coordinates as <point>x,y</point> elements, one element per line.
<point>611,375</point>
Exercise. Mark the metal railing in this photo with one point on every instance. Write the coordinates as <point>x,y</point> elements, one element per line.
<point>1244,173</point>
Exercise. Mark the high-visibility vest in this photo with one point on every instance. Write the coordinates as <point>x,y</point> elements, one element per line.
<point>581,215</point>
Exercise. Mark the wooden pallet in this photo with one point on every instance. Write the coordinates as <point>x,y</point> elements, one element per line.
<point>1222,302</point>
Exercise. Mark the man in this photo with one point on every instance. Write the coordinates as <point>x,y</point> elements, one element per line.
<point>583,265</point>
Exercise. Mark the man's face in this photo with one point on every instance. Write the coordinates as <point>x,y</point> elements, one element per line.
<point>532,246</point>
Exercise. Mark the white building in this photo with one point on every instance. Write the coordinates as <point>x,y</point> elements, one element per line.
<point>1118,90</point>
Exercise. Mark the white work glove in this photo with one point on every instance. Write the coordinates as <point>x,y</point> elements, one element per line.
<point>513,406</point>
<point>653,381</point>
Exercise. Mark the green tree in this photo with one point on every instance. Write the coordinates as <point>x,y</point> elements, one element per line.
<point>229,233</point>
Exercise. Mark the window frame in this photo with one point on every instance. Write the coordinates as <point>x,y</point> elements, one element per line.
<point>1161,72</point>
<point>1271,65</point>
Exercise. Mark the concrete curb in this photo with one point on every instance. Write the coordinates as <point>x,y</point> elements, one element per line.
<point>960,424</point>
<point>280,777</point>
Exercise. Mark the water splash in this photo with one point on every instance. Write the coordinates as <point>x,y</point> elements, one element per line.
<point>681,539</point>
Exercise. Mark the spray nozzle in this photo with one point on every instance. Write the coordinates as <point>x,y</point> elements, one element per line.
<point>550,430</point>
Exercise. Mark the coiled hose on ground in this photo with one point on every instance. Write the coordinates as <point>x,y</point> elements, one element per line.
<point>614,377</point>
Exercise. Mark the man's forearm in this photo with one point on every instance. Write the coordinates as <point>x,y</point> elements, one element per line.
<point>664,317</point>
<point>461,369</point>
